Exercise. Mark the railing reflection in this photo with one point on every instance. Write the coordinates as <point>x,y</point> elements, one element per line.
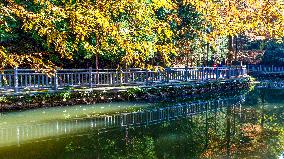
<point>18,134</point>
<point>271,84</point>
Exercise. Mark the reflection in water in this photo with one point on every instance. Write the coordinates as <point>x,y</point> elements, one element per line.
<point>238,127</point>
<point>20,133</point>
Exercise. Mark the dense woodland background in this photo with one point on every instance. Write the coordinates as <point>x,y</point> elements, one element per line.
<point>140,33</point>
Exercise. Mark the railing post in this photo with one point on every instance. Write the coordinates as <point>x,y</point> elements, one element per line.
<point>146,76</point>
<point>243,70</point>
<point>159,75</point>
<point>16,80</point>
<point>186,74</point>
<point>202,73</point>
<point>55,80</point>
<point>207,72</point>
<point>91,77</point>
<point>121,78</point>
<point>229,72</point>
<point>167,75</point>
<point>127,73</point>
<point>122,120</point>
<point>111,80</point>
<point>217,73</point>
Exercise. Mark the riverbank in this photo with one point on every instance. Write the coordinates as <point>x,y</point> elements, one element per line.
<point>159,92</point>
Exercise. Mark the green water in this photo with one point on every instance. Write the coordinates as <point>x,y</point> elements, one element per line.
<point>250,126</point>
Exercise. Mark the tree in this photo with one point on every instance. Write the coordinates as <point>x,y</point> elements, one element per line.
<point>128,29</point>
<point>251,17</point>
<point>274,54</point>
<point>186,24</point>
<point>9,33</point>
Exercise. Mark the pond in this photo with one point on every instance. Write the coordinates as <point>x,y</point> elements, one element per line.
<point>242,126</point>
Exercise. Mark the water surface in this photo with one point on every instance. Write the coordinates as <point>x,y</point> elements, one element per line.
<point>246,126</point>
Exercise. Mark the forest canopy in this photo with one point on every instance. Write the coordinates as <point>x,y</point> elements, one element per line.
<point>129,33</point>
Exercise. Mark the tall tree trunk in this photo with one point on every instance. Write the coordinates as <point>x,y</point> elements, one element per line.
<point>187,57</point>
<point>207,52</point>
<point>236,48</point>
<point>97,52</point>
<point>230,49</point>
<point>97,60</point>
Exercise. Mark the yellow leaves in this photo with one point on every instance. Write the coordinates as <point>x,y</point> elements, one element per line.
<point>3,57</point>
<point>14,60</point>
<point>101,20</point>
<point>163,3</point>
<point>89,47</point>
<point>163,29</point>
<point>40,2</point>
<point>139,32</point>
<point>168,33</point>
<point>159,30</point>
<point>239,16</point>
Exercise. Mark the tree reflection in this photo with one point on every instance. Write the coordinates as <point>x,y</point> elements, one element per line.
<point>252,130</point>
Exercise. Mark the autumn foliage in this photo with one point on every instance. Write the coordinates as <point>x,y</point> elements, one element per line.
<point>125,33</point>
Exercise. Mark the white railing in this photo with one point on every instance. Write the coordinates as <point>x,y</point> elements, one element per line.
<point>18,80</point>
<point>265,69</point>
